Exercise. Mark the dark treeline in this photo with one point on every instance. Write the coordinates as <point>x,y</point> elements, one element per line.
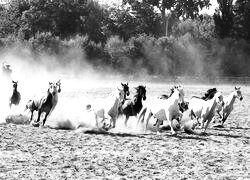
<point>157,37</point>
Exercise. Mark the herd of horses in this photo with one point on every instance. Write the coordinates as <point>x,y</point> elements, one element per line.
<point>201,110</point>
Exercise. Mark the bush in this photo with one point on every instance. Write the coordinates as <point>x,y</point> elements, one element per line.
<point>45,42</point>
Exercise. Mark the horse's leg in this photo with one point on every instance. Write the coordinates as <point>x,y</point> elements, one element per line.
<point>126,120</point>
<point>218,112</point>
<point>170,122</point>
<point>192,114</point>
<point>207,123</point>
<point>224,118</point>
<point>150,114</point>
<point>45,118</point>
<point>31,117</point>
<point>158,127</point>
<point>38,116</point>
<point>142,116</point>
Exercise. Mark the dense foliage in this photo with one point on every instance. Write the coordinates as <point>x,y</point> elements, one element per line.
<point>132,37</point>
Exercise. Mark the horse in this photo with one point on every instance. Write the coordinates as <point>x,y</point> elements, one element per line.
<point>55,97</point>
<point>166,109</point>
<point>44,103</point>
<point>227,108</point>
<point>112,106</point>
<point>16,96</point>
<point>131,107</point>
<point>6,70</point>
<point>204,108</point>
<point>183,106</point>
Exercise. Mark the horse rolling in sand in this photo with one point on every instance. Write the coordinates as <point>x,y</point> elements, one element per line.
<point>227,108</point>
<point>167,108</point>
<point>204,108</point>
<point>44,104</point>
<point>16,96</point>
<point>132,107</point>
<point>111,110</point>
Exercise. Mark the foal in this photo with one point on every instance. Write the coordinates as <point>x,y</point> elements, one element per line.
<point>16,96</point>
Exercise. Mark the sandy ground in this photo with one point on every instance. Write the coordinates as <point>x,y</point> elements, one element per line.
<point>28,152</point>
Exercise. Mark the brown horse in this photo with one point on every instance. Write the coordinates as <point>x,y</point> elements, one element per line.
<point>16,96</point>
<point>45,103</point>
<point>132,107</point>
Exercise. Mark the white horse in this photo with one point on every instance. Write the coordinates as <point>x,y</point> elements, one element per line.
<point>227,108</point>
<point>55,97</point>
<point>166,109</point>
<point>108,109</point>
<point>205,109</point>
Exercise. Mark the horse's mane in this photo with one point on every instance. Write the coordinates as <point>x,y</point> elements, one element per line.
<point>208,95</point>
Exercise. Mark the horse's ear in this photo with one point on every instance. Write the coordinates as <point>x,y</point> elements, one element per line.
<point>13,81</point>
<point>145,87</point>
<point>122,84</point>
<point>235,88</point>
<point>127,83</point>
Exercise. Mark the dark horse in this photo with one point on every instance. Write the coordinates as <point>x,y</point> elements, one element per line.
<point>44,104</point>
<point>16,96</point>
<point>132,107</point>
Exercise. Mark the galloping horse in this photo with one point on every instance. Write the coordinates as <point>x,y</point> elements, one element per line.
<point>204,108</point>
<point>44,103</point>
<point>183,106</point>
<point>227,108</point>
<point>167,108</point>
<point>112,105</point>
<point>132,107</point>
<point>16,96</point>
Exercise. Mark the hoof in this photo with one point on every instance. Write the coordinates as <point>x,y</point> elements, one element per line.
<point>218,126</point>
<point>173,133</point>
<point>35,124</point>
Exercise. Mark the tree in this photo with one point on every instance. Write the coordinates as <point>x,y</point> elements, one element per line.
<point>185,8</point>
<point>11,16</point>
<point>242,19</point>
<point>223,18</point>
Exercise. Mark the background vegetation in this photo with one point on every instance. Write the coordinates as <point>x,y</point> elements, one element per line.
<point>156,37</point>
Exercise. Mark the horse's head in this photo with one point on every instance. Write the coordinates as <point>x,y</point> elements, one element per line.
<point>58,84</point>
<point>238,93</point>
<point>125,88</point>
<point>179,92</point>
<point>52,88</point>
<point>14,84</point>
<point>141,91</point>
<point>219,98</point>
<point>121,96</point>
